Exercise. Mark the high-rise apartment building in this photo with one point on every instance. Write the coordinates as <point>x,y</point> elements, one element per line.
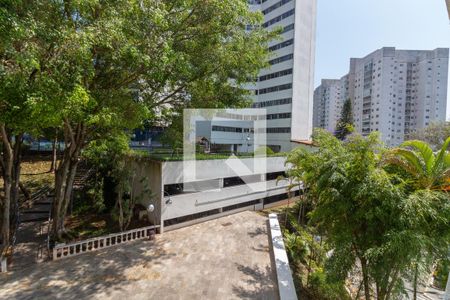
<point>328,104</point>
<point>396,92</point>
<point>285,89</point>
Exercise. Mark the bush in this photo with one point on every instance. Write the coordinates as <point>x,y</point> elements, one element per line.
<point>326,290</point>
<point>296,247</point>
<point>262,149</point>
<point>441,274</point>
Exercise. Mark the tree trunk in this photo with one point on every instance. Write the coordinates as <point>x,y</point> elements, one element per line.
<point>6,206</point>
<point>54,153</point>
<point>415,280</point>
<point>15,184</point>
<point>64,178</point>
<point>10,167</point>
<point>365,278</point>
<point>65,175</point>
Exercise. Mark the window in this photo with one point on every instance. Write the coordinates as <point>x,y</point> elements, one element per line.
<point>275,6</point>
<point>279,18</point>
<point>275,75</point>
<point>279,130</point>
<point>278,116</point>
<point>281,45</point>
<point>281,59</point>
<point>275,89</point>
<point>226,129</point>
<point>272,103</point>
<point>288,28</point>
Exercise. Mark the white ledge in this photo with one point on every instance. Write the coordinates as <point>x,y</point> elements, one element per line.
<point>286,288</point>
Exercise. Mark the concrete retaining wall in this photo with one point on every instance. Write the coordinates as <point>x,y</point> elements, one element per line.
<point>286,286</point>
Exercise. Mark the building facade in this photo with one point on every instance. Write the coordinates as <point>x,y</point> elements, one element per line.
<point>396,92</point>
<point>219,192</point>
<point>285,89</point>
<point>328,100</point>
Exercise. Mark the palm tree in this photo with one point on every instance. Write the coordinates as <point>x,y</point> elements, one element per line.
<point>428,170</point>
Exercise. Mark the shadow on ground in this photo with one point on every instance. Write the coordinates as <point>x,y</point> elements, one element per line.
<point>258,285</point>
<point>84,276</point>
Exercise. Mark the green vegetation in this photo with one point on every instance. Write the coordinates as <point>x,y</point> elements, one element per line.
<point>92,69</point>
<point>345,123</point>
<point>427,176</point>
<point>168,155</point>
<point>435,134</point>
<point>374,219</point>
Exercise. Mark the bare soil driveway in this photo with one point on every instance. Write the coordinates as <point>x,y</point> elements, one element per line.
<point>227,258</point>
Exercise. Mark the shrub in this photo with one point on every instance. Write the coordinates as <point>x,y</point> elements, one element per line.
<point>325,289</point>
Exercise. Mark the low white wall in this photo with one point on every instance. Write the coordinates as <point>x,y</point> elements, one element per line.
<point>286,288</point>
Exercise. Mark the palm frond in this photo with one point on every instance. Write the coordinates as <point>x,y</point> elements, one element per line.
<point>443,156</point>
<point>425,151</point>
<point>406,159</point>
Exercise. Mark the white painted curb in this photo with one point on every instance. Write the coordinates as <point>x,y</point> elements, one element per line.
<point>286,288</point>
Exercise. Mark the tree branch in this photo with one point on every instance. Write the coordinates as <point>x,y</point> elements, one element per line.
<point>69,129</point>
<point>5,140</point>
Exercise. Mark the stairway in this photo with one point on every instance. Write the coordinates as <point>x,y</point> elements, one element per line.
<point>39,207</point>
<point>32,233</point>
<point>83,175</point>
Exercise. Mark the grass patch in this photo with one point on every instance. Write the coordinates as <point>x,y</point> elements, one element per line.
<point>35,174</point>
<point>177,156</point>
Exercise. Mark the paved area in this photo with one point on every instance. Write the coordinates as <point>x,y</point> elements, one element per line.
<point>227,258</point>
<point>31,237</point>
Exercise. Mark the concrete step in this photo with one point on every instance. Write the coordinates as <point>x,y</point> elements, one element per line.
<point>43,207</point>
<point>46,201</point>
<point>34,217</point>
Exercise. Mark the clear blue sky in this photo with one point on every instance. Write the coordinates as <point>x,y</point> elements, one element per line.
<point>354,28</point>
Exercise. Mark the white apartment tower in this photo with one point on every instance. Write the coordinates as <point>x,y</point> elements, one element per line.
<point>328,101</point>
<point>285,89</point>
<point>396,92</point>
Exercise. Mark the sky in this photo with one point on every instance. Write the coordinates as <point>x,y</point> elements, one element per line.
<point>355,28</point>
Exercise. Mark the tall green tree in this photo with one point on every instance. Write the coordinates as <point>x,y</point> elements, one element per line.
<point>365,212</point>
<point>428,175</point>
<point>345,123</point>
<point>109,65</point>
<point>19,56</point>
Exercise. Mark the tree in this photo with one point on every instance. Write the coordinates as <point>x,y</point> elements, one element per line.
<point>435,134</point>
<point>19,54</point>
<point>105,66</point>
<point>345,123</point>
<point>427,170</point>
<point>365,212</point>
<point>428,174</point>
